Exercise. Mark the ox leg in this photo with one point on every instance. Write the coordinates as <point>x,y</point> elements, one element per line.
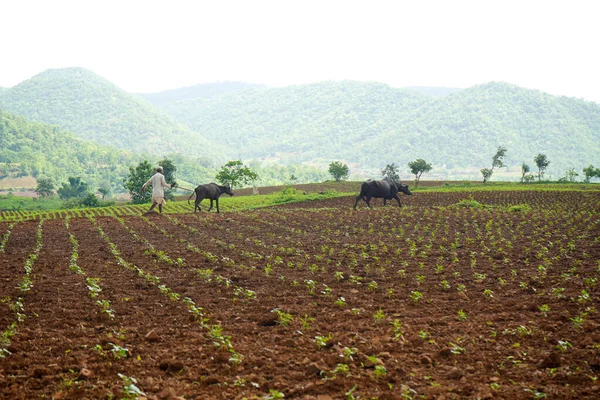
<point>358,198</point>
<point>384,201</point>
<point>398,200</point>
<point>197,205</point>
<point>211,205</point>
<point>217,201</point>
<point>368,200</point>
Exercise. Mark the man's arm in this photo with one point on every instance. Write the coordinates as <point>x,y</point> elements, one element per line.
<point>164,182</point>
<point>146,184</point>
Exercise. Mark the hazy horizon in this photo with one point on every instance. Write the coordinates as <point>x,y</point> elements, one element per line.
<point>149,47</point>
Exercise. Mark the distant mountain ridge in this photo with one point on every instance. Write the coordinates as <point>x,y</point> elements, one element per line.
<point>84,103</point>
<point>366,124</point>
<point>372,124</point>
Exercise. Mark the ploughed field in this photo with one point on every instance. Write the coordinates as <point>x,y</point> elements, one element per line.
<point>308,300</point>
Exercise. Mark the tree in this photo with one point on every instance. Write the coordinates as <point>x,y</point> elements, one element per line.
<point>169,170</point>
<point>570,175</point>
<point>91,200</point>
<point>542,163</point>
<point>234,173</point>
<point>45,187</point>
<point>418,167</point>
<point>496,162</point>
<point>339,171</point>
<point>104,191</point>
<point>590,172</point>
<point>524,170</point>
<point>487,174</point>
<point>136,179</point>
<point>74,188</point>
<point>391,171</point>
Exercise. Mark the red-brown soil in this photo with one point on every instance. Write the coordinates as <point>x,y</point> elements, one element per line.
<point>368,315</point>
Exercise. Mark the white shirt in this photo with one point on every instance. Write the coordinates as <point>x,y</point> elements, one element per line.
<point>158,183</point>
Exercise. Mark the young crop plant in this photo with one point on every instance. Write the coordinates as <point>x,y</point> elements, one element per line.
<point>445,285</point>
<point>283,318</point>
<point>544,309</point>
<point>323,341</point>
<point>416,296</point>
<point>93,285</point>
<point>305,322</point>
<point>341,369</point>
<point>106,308</point>
<point>564,345</point>
<point>118,352</point>
<point>130,390</point>
<point>310,285</point>
<point>379,315</point>
<point>379,371</point>
<point>326,291</point>
<point>456,349</point>
<point>584,297</point>
<point>397,328</point>
<point>462,315</point>
<point>340,302</point>
<point>274,395</point>
<point>6,237</point>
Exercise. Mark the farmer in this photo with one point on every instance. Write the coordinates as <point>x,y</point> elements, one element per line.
<point>158,184</point>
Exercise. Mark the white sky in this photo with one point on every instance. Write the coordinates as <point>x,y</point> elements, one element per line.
<point>148,46</point>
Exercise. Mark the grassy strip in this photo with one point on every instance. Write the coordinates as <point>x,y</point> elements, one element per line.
<point>287,195</point>
<point>507,186</point>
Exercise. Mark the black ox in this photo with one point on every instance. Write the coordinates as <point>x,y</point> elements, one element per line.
<point>210,191</point>
<point>385,188</point>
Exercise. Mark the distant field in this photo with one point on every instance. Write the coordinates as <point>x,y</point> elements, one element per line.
<point>459,294</point>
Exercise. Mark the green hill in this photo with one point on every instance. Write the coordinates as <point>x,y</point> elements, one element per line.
<point>37,149</point>
<point>365,124</point>
<point>373,124</point>
<point>301,123</point>
<point>82,102</point>
<point>33,149</point>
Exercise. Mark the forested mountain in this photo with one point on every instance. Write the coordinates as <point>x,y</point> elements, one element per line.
<point>204,90</point>
<point>373,124</point>
<point>42,150</point>
<point>38,149</point>
<point>367,125</point>
<point>82,102</point>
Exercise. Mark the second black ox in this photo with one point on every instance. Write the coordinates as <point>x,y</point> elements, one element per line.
<point>387,189</point>
<point>210,191</point>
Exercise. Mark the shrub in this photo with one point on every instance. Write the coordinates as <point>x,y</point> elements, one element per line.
<point>520,208</point>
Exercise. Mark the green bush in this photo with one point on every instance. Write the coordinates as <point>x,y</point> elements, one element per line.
<point>520,208</point>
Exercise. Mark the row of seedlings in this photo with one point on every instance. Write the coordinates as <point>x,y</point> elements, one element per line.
<point>17,306</point>
<point>214,330</point>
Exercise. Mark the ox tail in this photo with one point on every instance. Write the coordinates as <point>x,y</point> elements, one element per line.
<point>192,195</point>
